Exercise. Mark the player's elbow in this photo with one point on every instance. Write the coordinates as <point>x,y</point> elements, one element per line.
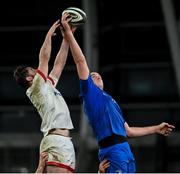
<point>129,130</point>
<point>80,61</point>
<point>129,133</point>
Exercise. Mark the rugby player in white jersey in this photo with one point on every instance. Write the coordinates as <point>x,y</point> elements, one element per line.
<point>41,90</point>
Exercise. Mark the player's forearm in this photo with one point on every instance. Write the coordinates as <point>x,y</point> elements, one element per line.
<point>62,54</point>
<point>40,169</point>
<point>79,58</point>
<point>76,51</point>
<point>45,51</point>
<point>142,131</point>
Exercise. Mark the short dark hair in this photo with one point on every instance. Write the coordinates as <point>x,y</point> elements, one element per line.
<point>20,74</point>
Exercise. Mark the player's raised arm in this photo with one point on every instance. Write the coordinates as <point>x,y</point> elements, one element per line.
<point>60,60</point>
<point>78,56</point>
<point>45,50</point>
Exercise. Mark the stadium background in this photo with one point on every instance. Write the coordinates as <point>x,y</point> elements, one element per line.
<point>134,44</point>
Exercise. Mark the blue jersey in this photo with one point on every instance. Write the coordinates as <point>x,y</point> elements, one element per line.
<point>105,117</point>
<point>104,114</point>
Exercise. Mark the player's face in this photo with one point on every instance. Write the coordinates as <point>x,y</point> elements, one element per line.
<point>31,73</point>
<point>97,79</point>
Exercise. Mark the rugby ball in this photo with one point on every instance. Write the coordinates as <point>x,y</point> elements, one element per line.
<point>77,14</point>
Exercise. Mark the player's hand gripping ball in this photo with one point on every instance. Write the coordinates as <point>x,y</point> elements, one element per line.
<point>77,14</point>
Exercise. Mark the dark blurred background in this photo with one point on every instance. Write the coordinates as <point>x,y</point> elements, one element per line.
<point>134,44</point>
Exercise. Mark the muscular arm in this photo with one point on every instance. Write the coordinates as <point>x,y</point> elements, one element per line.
<point>78,56</point>
<point>45,50</point>
<point>60,60</point>
<point>163,129</point>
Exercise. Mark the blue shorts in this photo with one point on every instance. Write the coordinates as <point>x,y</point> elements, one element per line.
<point>120,157</point>
<point>122,167</point>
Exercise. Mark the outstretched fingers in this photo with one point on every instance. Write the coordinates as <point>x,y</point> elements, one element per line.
<point>104,165</point>
<point>51,31</point>
<point>168,129</point>
<point>44,156</point>
<point>171,126</point>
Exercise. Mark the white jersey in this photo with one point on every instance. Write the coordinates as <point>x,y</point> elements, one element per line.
<point>49,103</point>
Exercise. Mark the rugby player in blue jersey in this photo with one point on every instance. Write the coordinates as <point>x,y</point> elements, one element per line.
<point>105,115</point>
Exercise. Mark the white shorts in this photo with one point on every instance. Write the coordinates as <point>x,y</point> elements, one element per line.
<point>60,151</point>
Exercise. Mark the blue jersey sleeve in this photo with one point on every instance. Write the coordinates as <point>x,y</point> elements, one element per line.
<point>92,96</point>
